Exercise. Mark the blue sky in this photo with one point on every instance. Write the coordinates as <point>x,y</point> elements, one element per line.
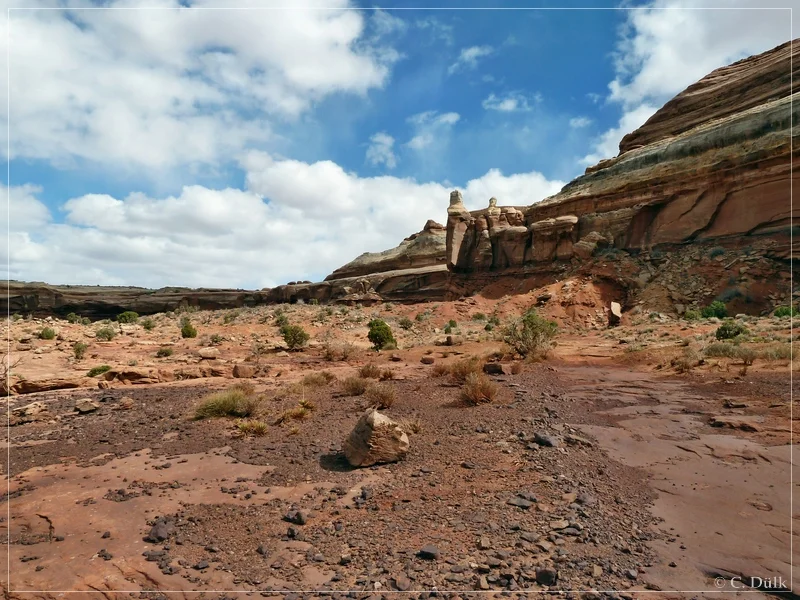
<point>248,148</point>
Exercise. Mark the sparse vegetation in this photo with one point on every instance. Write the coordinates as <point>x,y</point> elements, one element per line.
<point>128,317</point>
<point>99,370</point>
<point>71,318</point>
<point>105,333</point>
<point>460,370</point>
<point>410,425</point>
<point>148,324</point>
<point>79,350</point>
<point>405,323</point>
<point>478,389</point>
<point>319,379</point>
<point>47,333</point>
<point>253,427</point>
<point>216,339</point>
<point>369,371</point>
<point>298,413</point>
<point>479,316</point>
<point>531,335</point>
<point>281,320</point>
<point>715,309</point>
<point>294,336</point>
<point>236,401</point>
<point>380,334</point>
<point>691,315</point>
<point>337,351</point>
<point>439,370</point>
<point>786,311</point>
<point>381,396</point>
<point>387,375</point>
<point>163,352</point>
<point>354,386</point>
<point>187,329</point>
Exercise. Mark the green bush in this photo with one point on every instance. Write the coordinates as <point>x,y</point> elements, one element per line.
<point>281,320</point>
<point>489,327</point>
<point>86,321</point>
<point>532,335</point>
<point>494,320</point>
<point>79,350</point>
<point>187,329</point>
<point>163,352</point>
<point>479,317</point>
<point>715,309</point>
<point>105,333</point>
<point>128,317</point>
<point>149,324</point>
<point>405,323</point>
<point>294,336</point>
<point>217,339</point>
<point>47,333</point>
<point>380,334</point>
<point>95,371</point>
<point>786,311</point>
<point>729,330</point>
<point>73,318</point>
<point>452,324</point>
<point>692,315</point>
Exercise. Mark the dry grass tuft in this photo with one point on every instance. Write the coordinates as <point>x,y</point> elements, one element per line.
<point>232,402</point>
<point>387,375</point>
<point>253,427</point>
<point>410,425</point>
<point>369,371</point>
<point>460,370</point>
<point>381,396</point>
<point>354,386</point>
<point>298,413</point>
<point>321,379</point>
<point>478,389</point>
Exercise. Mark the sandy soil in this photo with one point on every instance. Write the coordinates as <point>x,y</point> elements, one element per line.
<point>663,477</point>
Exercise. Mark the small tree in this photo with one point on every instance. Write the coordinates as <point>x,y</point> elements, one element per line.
<point>294,336</point>
<point>105,333</point>
<point>79,350</point>
<point>730,329</point>
<point>715,309</point>
<point>187,329</point>
<point>47,333</point>
<point>128,317</point>
<point>380,334</point>
<point>532,335</point>
<point>786,311</point>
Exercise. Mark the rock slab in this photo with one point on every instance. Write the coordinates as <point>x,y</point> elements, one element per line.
<point>375,439</point>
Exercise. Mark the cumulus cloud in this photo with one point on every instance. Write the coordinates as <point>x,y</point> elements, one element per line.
<point>430,127</point>
<point>380,150</point>
<point>294,220</point>
<point>511,102</point>
<point>672,44</point>
<point>469,57</point>
<point>163,88</point>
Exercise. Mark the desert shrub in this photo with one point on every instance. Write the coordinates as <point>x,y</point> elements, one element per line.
<point>128,317</point>
<point>729,330</point>
<point>231,316</point>
<point>420,317</point>
<point>410,425</point>
<point>298,413</point>
<point>99,370</point>
<point>47,333</point>
<point>163,352</point>
<point>460,370</point>
<point>253,427</point>
<point>478,389</point>
<point>369,371</point>
<point>387,375</point>
<point>86,321</point>
<point>746,354</point>
<point>258,350</point>
<point>319,379</point>
<point>281,320</point>
<point>448,329</point>
<point>405,323</point>
<point>236,401</point>
<point>479,316</point>
<point>494,320</point>
<point>782,351</point>
<point>715,309</point>
<point>79,350</point>
<point>488,327</point>
<point>216,339</point>
<point>786,311</point>
<point>294,336</point>
<point>337,351</point>
<point>687,361</point>
<point>187,329</point>
<point>105,333</point>
<point>439,370</point>
<point>148,324</point>
<point>380,334</point>
<point>314,302</point>
<point>354,386</point>
<point>720,350</point>
<point>73,318</point>
<point>381,396</point>
<point>532,335</point>
<point>691,315</point>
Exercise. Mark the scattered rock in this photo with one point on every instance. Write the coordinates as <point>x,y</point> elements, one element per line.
<point>614,314</point>
<point>429,552</point>
<point>244,371</point>
<point>375,439</point>
<point>546,576</point>
<point>86,405</point>
<point>742,423</point>
<point>208,353</point>
<point>426,360</point>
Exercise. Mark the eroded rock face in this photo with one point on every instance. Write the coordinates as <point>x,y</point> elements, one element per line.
<point>375,439</point>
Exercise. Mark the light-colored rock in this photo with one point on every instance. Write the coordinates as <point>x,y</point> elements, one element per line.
<point>244,371</point>
<point>86,405</point>
<point>375,439</point>
<point>208,353</point>
<point>35,411</point>
<point>31,386</point>
<point>614,314</point>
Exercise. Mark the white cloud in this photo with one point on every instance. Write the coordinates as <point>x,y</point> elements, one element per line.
<point>294,220</point>
<point>436,29</point>
<point>430,127</point>
<point>511,102</point>
<point>579,122</point>
<point>156,89</point>
<point>380,150</point>
<point>665,49</point>
<point>468,58</point>
<point>23,209</point>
